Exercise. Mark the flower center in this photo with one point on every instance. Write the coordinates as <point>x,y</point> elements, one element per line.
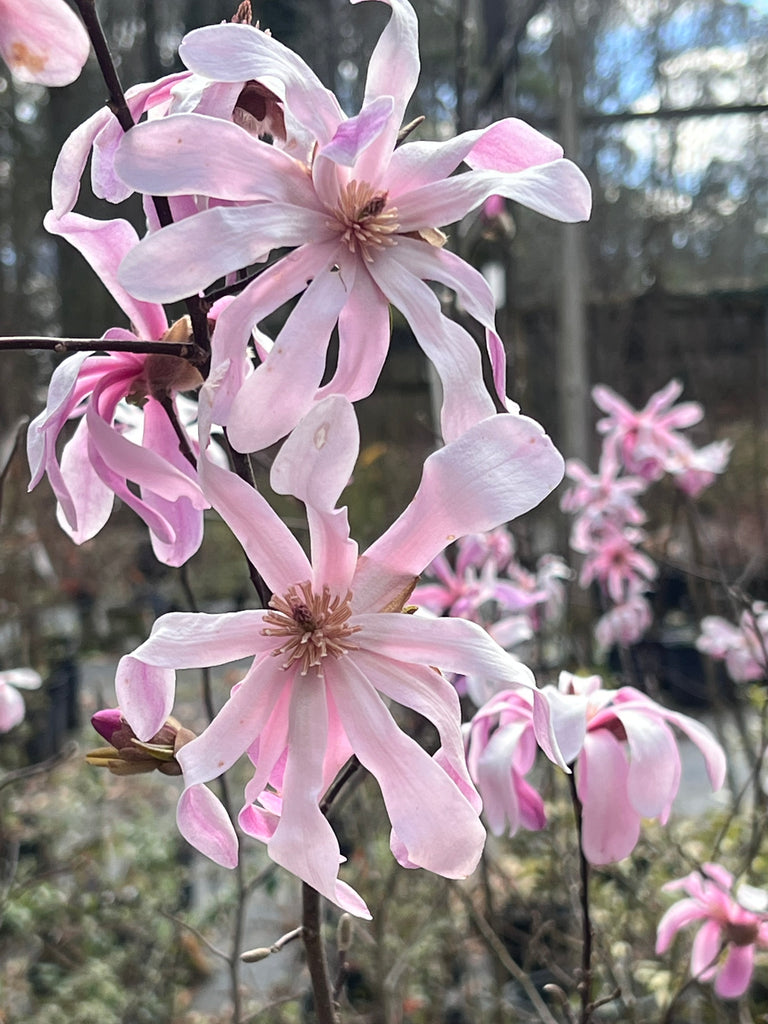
<point>363,219</point>
<point>314,626</point>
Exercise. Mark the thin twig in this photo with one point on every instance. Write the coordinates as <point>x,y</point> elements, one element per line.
<point>140,346</point>
<point>30,771</point>
<point>198,935</point>
<point>585,982</point>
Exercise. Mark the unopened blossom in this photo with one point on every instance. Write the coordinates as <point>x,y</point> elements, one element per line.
<point>743,648</point>
<point>362,216</point>
<point>107,392</point>
<point>648,442</point>
<point>42,41</point>
<point>729,933</point>
<point>12,707</point>
<point>501,750</point>
<point>333,643</point>
<point>627,764</point>
<point>128,755</point>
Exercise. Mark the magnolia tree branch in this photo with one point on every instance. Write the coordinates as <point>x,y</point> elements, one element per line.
<point>140,346</point>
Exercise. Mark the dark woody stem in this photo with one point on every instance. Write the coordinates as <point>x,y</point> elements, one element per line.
<point>585,981</point>
<point>139,346</point>
<point>311,934</point>
<point>184,446</point>
<point>119,107</point>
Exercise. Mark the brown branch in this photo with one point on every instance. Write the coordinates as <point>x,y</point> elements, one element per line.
<point>139,346</point>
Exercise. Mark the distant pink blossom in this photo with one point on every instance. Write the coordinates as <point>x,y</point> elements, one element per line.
<point>729,934</point>
<point>649,444</point>
<point>627,764</point>
<point>42,41</point>
<point>501,750</point>
<point>624,624</point>
<point>333,642</point>
<point>616,562</point>
<point>743,648</point>
<point>12,707</point>
<point>361,214</point>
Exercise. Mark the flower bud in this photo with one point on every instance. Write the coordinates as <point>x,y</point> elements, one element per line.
<point>128,755</point>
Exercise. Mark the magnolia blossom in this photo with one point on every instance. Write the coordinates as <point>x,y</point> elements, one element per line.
<point>42,41</point>
<point>624,624</point>
<point>501,750</point>
<point>616,562</point>
<point>627,763</point>
<point>109,448</point>
<point>648,443</point>
<point>333,642</point>
<point>729,935</point>
<point>743,648</point>
<point>361,214</point>
<point>12,708</point>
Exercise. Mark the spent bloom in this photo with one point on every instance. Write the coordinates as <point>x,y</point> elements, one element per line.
<point>361,214</point>
<point>729,934</point>
<point>333,643</point>
<point>42,41</point>
<point>627,764</point>
<point>12,708</point>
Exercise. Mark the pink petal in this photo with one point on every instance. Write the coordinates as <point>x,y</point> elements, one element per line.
<point>557,189</point>
<point>43,41</point>
<point>654,763</point>
<point>86,502</point>
<point>237,724</point>
<point>734,976</point>
<point>437,825</point>
<point>205,824</point>
<point>512,145</point>
<point>355,134</point>
<point>287,381</point>
<point>676,917</point>
<point>237,53</point>
<point>211,157</point>
<point>452,351</point>
<point>145,694</point>
<point>611,826</point>
<point>104,244</point>
<point>499,469</point>
<point>705,950</point>
<point>393,70</point>
<point>304,842</point>
<point>155,271</point>
<point>359,365</point>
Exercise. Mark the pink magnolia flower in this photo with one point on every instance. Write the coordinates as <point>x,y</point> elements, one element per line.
<point>742,648</point>
<point>42,41</point>
<point>501,749</point>
<point>333,640</point>
<point>695,469</point>
<point>603,496</point>
<point>624,624</point>
<point>627,763</point>
<point>12,708</point>
<point>729,935</point>
<point>100,459</point>
<point>361,214</point>
<point>616,563</point>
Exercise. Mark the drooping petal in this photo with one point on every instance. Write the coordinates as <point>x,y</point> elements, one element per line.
<point>735,974</point>
<point>654,764</point>
<point>236,725</point>
<point>288,380</point>
<point>303,842</point>
<point>104,244</point>
<point>437,825</point>
<point>705,950</point>
<point>451,349</point>
<point>88,501</point>
<point>145,694</point>
<point>12,707</point>
<point>610,825</point>
<point>205,824</point>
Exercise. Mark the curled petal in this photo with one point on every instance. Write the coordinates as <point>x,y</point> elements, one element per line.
<point>205,824</point>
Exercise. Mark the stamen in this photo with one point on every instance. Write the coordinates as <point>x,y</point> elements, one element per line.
<point>364,220</point>
<point>314,625</point>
